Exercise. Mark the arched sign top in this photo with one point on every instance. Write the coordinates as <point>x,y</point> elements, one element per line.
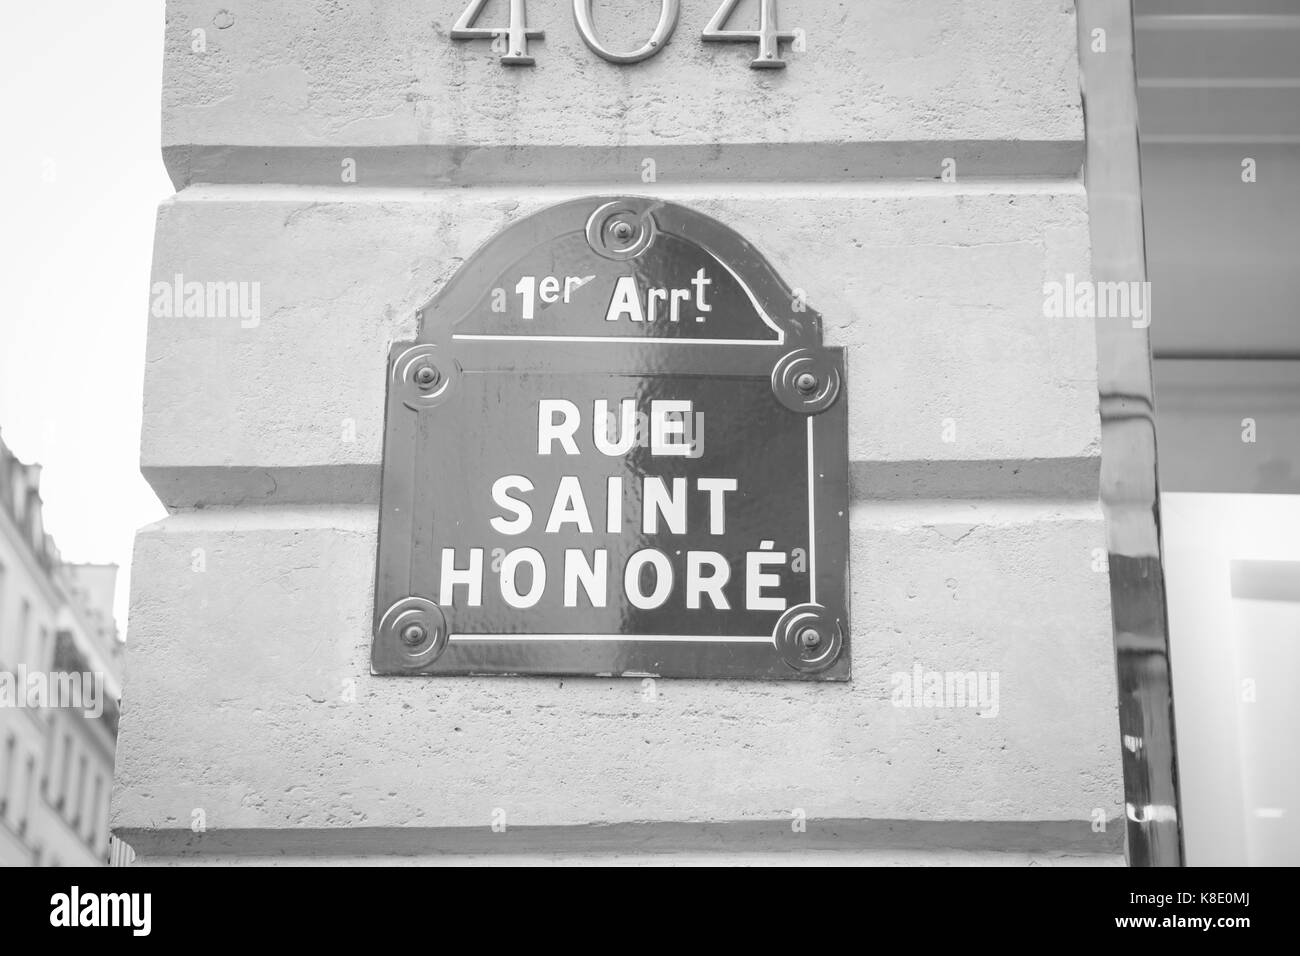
<point>617,446</point>
<point>591,268</point>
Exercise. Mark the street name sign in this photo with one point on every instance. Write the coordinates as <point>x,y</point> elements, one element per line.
<point>617,446</point>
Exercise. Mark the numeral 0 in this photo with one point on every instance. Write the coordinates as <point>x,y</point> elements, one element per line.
<point>668,10</point>
<point>512,40</point>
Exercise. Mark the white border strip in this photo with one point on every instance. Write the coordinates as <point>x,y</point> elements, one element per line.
<point>812,518</point>
<point>669,638</point>
<point>609,338</point>
<point>631,638</point>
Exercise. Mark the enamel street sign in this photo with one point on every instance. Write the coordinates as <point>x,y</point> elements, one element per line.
<point>617,447</point>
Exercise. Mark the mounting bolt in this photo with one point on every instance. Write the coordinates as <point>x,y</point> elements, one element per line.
<point>426,376</point>
<point>806,383</point>
<point>809,637</point>
<point>413,635</point>
<point>623,231</point>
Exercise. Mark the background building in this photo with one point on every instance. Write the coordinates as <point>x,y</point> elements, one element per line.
<point>56,763</point>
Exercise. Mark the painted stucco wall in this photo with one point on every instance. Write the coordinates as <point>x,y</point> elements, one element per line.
<point>252,728</point>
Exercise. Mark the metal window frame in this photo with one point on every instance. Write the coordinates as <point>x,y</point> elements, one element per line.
<point>1129,486</point>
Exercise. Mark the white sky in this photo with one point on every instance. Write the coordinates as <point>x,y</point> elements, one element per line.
<point>79,160</point>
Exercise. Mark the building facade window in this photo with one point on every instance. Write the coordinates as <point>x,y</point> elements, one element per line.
<point>24,797</point>
<point>65,772</point>
<point>24,623</point>
<point>39,649</point>
<point>93,838</point>
<point>7,777</point>
<point>4,631</point>
<point>80,795</point>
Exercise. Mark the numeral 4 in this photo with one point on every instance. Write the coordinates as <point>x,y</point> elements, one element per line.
<point>511,41</point>
<point>767,36</point>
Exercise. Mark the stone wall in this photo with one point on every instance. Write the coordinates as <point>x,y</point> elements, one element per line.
<point>915,170</point>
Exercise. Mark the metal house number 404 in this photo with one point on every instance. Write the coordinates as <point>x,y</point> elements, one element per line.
<point>511,41</point>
